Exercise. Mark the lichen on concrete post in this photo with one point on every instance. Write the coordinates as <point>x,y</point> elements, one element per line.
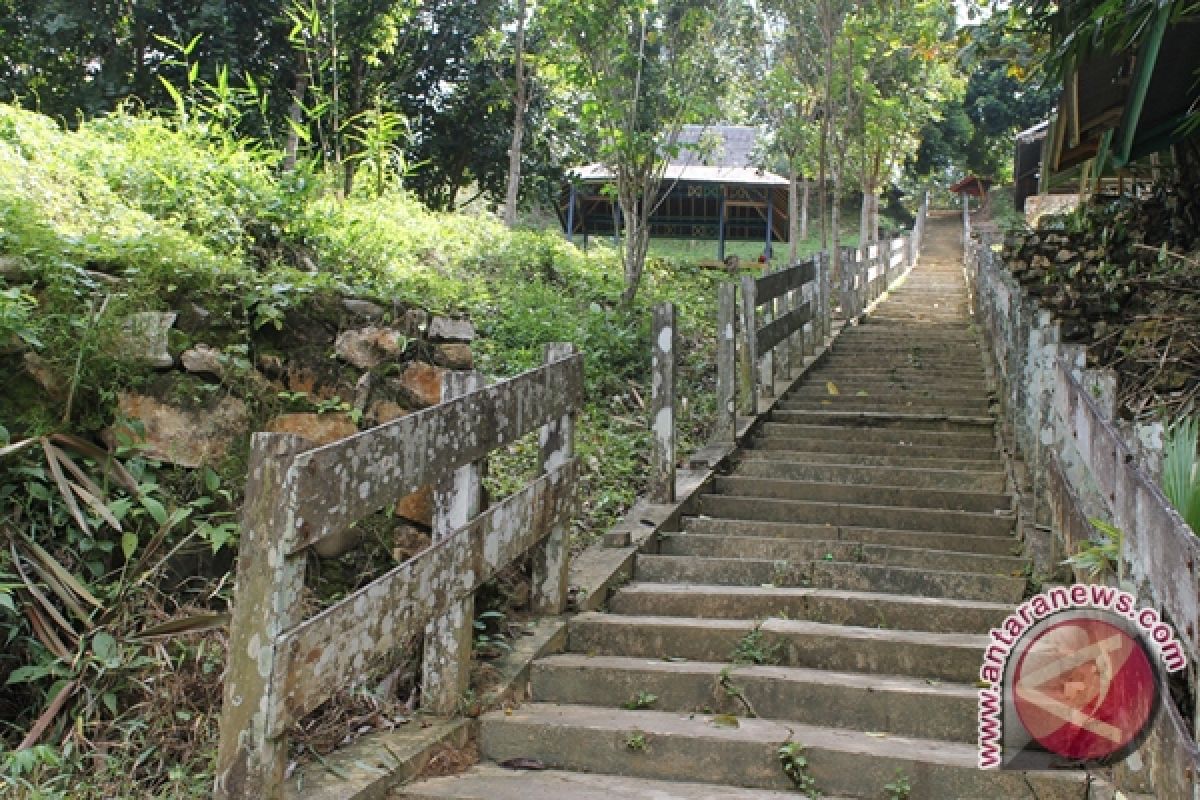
<point>251,764</point>
<point>548,594</point>
<point>662,404</point>
<point>782,353</point>
<point>747,364</point>
<point>726,363</point>
<point>457,500</point>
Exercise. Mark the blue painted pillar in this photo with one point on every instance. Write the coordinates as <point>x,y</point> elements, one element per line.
<point>721,226</point>
<point>770,229</point>
<point>571,216</point>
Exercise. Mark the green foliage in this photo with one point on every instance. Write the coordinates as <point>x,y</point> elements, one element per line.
<point>795,766</point>
<point>754,648</point>
<point>1181,469</point>
<point>637,742</point>
<point>641,700</point>
<point>1101,556</point>
<point>899,788</point>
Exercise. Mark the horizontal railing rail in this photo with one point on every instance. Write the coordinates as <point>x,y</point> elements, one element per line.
<point>282,666</point>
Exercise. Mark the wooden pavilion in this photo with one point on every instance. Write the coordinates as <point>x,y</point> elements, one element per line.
<point>713,190</point>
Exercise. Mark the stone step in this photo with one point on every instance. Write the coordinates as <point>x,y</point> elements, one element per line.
<point>944,380</point>
<point>492,782</point>
<point>866,475</point>
<point>859,516</point>
<point>885,388</point>
<point>798,550</point>
<point>804,426</point>
<point>894,405</point>
<point>906,453</point>
<point>668,746</point>
<point>851,576</point>
<point>904,460</point>
<point>934,356</point>
<point>895,705</point>
<point>827,492</point>
<point>829,606</point>
<point>1004,545</point>
<point>954,657</point>
<point>902,423</point>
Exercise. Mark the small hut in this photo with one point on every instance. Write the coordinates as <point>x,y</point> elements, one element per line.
<point>713,190</point>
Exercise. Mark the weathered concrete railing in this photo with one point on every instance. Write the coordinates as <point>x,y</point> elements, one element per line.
<point>867,272</point>
<point>1076,464</point>
<point>777,310</point>
<point>282,666</point>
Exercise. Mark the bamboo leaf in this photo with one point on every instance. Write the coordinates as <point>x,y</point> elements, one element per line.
<point>106,460</point>
<point>58,569</point>
<point>64,486</point>
<point>192,624</point>
<point>46,717</point>
<point>97,506</point>
<point>16,447</point>
<point>41,598</point>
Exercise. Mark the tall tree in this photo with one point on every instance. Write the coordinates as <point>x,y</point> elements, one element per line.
<point>644,68</point>
<point>519,101</point>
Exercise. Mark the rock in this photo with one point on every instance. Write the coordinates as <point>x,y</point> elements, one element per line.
<point>453,355</point>
<point>40,370</point>
<point>415,322</point>
<point>193,318</point>
<point>420,385</point>
<point>10,267</point>
<point>204,360</point>
<point>188,438</point>
<point>382,411</point>
<point>417,507</point>
<point>408,540</point>
<point>362,391</point>
<point>143,338</point>
<point>448,329</point>
<point>369,347</point>
<point>362,308</point>
<point>320,429</point>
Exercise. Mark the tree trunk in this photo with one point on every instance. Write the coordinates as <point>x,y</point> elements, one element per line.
<point>357,76</point>
<point>514,151</point>
<point>296,114</point>
<point>864,217</point>
<point>804,209</point>
<point>794,235</point>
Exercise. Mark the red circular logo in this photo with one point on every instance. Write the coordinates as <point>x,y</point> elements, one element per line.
<point>1085,689</point>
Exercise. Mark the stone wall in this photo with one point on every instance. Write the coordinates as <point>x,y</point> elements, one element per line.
<point>1074,461</point>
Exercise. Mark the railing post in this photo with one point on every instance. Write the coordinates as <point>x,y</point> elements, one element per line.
<point>458,499</point>
<point>550,559</point>
<point>750,343</point>
<point>824,303</point>
<point>781,354</point>
<point>662,404</point>
<point>727,363</point>
<point>766,364</point>
<point>250,764</point>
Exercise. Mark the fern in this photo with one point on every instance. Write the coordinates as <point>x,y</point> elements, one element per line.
<point>1181,469</point>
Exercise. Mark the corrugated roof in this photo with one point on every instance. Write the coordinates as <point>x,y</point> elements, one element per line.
<point>708,154</point>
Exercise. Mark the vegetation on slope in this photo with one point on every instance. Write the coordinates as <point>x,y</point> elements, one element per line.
<point>136,212</point>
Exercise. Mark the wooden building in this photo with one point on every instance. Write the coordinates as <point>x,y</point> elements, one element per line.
<point>712,190</point>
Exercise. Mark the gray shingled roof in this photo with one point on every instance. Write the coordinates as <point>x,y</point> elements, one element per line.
<point>729,146</point>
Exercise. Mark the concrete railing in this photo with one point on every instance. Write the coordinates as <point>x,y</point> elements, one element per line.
<point>282,666</point>
<point>1076,463</point>
<point>785,316</point>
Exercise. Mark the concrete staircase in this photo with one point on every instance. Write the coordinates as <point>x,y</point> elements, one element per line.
<point>850,563</point>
